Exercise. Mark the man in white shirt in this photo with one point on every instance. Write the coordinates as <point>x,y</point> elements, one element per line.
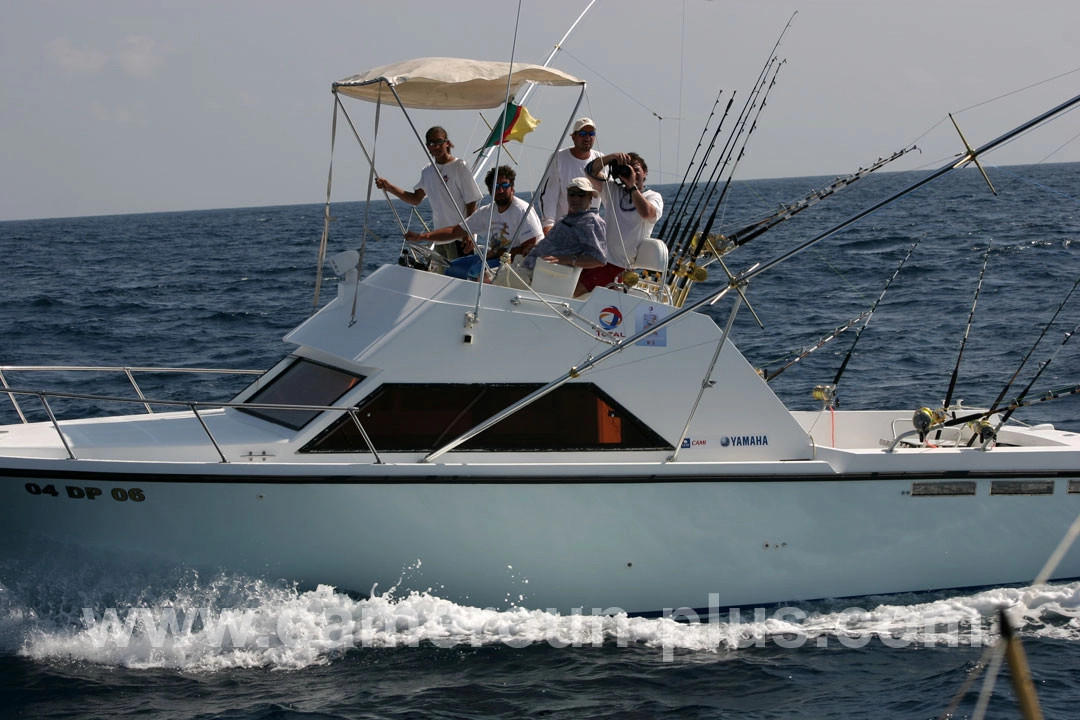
<point>568,163</point>
<point>630,210</point>
<point>446,209</point>
<point>513,226</point>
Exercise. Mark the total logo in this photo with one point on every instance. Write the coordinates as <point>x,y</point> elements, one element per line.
<point>610,317</point>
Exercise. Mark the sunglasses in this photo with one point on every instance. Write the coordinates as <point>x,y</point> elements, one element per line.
<point>437,143</point>
<point>585,133</point>
<point>502,186</point>
<point>577,193</point>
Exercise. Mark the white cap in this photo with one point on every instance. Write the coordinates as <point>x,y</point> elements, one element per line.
<point>583,183</point>
<point>583,122</point>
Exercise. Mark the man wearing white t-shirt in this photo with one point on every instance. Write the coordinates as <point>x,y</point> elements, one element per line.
<point>568,163</point>
<point>513,226</point>
<point>630,210</point>
<point>448,174</point>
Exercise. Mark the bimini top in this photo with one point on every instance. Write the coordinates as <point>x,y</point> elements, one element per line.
<point>449,83</point>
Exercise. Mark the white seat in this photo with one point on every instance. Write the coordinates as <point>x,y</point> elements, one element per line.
<point>553,279</point>
<point>652,254</point>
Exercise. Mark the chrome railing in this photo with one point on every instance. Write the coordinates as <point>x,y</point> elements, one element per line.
<point>128,371</point>
<point>193,406</point>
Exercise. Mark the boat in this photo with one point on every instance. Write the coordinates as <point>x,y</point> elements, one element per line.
<point>616,449</point>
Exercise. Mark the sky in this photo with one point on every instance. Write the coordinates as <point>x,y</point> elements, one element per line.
<point>128,106</point>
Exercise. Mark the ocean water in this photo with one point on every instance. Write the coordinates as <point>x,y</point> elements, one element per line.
<point>95,637</point>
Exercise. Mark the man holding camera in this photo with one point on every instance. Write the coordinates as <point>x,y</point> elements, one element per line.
<point>631,211</point>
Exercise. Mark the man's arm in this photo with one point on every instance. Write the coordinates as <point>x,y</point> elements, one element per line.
<point>443,235</point>
<point>596,166</point>
<point>412,197</point>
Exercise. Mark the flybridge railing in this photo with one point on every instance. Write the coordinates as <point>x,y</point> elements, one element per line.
<point>193,406</point>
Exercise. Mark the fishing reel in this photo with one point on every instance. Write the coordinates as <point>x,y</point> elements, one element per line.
<point>925,418</point>
<point>826,394</point>
<point>984,430</point>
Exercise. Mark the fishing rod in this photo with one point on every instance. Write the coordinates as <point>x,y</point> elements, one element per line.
<point>696,248</point>
<point>743,277</point>
<point>764,72</point>
<point>1018,403</point>
<point>967,329</point>
<point>720,245</point>
<point>681,264</point>
<point>752,230</point>
<point>870,315</point>
<point>684,234</point>
<point>770,376</point>
<point>1005,390</point>
<point>995,406</point>
<point>676,208</point>
<point>682,213</point>
<point>680,240</point>
<point>985,433</point>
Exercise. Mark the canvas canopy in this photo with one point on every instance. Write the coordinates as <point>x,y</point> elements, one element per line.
<point>449,83</point>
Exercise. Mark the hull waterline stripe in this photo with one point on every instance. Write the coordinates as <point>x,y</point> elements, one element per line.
<point>1073,477</point>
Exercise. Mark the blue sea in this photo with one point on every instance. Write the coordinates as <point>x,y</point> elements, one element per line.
<point>92,637</point>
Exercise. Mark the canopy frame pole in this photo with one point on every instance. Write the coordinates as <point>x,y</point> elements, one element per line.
<point>326,210</point>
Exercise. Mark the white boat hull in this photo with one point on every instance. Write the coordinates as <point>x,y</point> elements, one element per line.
<point>638,544</point>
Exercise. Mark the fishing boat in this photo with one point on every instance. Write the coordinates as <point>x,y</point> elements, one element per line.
<point>615,449</point>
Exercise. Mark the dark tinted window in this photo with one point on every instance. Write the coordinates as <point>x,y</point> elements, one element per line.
<point>420,418</point>
<point>302,383</point>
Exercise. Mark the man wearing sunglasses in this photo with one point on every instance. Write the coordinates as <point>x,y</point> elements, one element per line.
<point>568,163</point>
<point>514,226</point>
<point>576,240</point>
<point>446,208</point>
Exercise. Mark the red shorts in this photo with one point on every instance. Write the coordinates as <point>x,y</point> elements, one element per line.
<point>600,277</point>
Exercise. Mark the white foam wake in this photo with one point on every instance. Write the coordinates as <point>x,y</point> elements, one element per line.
<point>231,622</point>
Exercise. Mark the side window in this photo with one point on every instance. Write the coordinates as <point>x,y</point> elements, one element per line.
<point>420,418</point>
<point>302,383</point>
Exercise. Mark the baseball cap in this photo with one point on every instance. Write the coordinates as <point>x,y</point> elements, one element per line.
<point>583,183</point>
<point>583,122</point>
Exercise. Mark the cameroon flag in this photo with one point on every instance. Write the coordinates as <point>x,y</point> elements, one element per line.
<point>515,124</point>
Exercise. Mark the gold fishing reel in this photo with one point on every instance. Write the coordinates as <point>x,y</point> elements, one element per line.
<point>925,418</point>
<point>826,394</point>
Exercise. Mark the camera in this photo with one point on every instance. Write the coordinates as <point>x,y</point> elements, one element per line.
<point>622,171</point>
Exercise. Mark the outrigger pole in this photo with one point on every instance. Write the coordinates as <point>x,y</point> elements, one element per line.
<point>723,244</point>
<point>967,158</point>
<point>742,278</point>
<point>864,315</point>
<point>478,166</point>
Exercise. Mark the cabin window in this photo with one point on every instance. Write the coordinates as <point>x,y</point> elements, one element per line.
<point>422,417</point>
<point>302,383</point>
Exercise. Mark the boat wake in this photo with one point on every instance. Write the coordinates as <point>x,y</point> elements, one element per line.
<point>184,621</point>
